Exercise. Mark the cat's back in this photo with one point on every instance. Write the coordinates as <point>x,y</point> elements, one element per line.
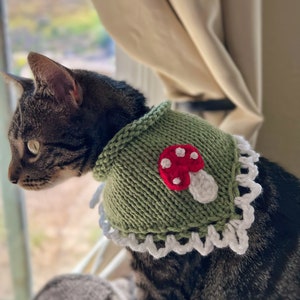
<point>270,269</point>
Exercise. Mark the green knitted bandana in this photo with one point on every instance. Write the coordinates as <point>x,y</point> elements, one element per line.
<point>171,176</point>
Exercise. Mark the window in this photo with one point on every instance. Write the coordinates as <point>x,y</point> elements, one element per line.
<point>62,228</point>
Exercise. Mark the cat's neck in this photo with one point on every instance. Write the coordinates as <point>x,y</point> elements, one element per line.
<point>104,93</point>
<point>108,105</point>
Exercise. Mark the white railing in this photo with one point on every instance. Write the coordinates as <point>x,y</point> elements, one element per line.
<point>94,260</point>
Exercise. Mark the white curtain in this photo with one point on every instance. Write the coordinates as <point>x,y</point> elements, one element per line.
<point>200,49</point>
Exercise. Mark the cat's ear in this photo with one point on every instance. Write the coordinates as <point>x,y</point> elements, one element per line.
<point>55,78</point>
<point>21,83</point>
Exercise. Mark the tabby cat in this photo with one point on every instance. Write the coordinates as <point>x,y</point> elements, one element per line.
<point>63,121</point>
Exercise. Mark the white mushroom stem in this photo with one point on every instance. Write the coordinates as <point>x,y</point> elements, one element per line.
<point>203,187</point>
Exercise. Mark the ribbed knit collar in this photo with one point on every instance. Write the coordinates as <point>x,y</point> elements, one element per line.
<point>124,137</point>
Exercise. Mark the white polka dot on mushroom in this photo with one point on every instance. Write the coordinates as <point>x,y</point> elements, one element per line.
<point>176,180</point>
<point>180,152</point>
<point>194,155</point>
<point>165,163</point>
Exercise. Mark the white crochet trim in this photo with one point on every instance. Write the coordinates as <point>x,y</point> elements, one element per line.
<point>234,235</point>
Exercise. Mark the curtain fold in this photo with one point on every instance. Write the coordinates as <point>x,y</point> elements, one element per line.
<point>200,50</point>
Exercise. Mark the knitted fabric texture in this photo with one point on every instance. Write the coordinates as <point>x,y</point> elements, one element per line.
<point>141,206</point>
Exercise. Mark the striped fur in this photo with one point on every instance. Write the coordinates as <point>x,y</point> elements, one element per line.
<point>73,114</point>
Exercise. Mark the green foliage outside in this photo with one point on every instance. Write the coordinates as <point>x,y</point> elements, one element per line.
<point>37,238</point>
<point>67,27</point>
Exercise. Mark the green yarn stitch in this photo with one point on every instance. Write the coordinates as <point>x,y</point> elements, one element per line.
<point>136,200</point>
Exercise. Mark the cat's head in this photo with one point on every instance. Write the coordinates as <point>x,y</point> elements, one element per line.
<point>63,120</point>
<point>46,135</point>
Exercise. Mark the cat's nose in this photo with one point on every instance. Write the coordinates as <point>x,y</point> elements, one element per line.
<point>14,180</point>
<point>13,177</point>
<point>13,173</point>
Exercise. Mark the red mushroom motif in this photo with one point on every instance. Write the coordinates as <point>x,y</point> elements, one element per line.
<point>181,167</point>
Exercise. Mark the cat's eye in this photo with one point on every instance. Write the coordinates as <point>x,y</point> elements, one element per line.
<point>33,146</point>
